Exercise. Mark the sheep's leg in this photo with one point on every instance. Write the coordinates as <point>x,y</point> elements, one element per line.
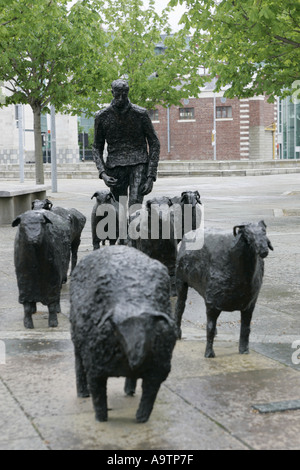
<point>99,396</point>
<point>98,387</point>
<point>130,386</point>
<point>81,381</point>
<point>52,321</point>
<point>246,317</point>
<point>172,273</point>
<point>96,240</point>
<point>33,307</point>
<point>150,387</point>
<point>29,309</point>
<point>74,250</point>
<point>182,291</point>
<point>94,223</point>
<point>212,316</point>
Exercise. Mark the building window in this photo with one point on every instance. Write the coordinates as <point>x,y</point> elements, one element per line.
<point>289,113</point>
<point>203,71</point>
<point>186,114</point>
<point>153,113</point>
<point>224,112</point>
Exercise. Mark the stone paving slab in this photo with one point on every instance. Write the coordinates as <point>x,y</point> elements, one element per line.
<point>204,403</point>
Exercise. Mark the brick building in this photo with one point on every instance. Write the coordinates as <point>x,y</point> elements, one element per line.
<point>66,136</point>
<point>245,129</point>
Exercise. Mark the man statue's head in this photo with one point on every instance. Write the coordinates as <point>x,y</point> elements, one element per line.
<point>120,89</point>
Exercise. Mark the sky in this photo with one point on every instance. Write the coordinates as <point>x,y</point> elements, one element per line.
<point>175,15</point>
<point>160,5</point>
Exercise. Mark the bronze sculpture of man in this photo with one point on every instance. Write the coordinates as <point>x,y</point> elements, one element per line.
<point>132,147</point>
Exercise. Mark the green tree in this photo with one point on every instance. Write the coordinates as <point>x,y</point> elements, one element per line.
<point>133,32</point>
<point>42,46</point>
<point>252,46</point>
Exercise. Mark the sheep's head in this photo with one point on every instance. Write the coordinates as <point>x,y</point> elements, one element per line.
<point>38,204</point>
<point>256,236</point>
<point>190,197</point>
<point>32,225</point>
<point>158,201</point>
<point>104,196</point>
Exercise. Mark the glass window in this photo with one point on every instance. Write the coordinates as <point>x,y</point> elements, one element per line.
<point>224,112</point>
<point>153,113</point>
<point>289,118</point>
<point>186,113</point>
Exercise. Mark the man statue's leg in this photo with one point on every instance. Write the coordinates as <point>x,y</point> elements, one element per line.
<point>120,193</point>
<point>137,180</point>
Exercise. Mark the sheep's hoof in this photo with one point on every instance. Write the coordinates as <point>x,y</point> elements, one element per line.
<point>178,333</point>
<point>142,417</point>
<point>28,323</point>
<point>209,354</point>
<point>130,386</point>
<point>244,351</point>
<point>101,417</point>
<point>53,322</point>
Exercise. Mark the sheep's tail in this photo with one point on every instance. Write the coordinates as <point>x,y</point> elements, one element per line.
<point>136,335</point>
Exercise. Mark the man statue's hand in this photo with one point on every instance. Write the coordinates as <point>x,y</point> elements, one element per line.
<point>147,187</point>
<point>108,180</point>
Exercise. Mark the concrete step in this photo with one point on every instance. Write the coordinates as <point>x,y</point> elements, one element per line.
<point>86,170</point>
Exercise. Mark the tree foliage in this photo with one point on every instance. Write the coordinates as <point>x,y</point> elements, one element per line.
<point>132,32</point>
<point>41,47</point>
<point>252,46</point>
<point>67,54</point>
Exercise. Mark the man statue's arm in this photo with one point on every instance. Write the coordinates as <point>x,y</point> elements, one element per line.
<point>98,146</point>
<point>154,147</point>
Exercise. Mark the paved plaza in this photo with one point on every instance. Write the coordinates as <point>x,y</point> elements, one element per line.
<point>204,403</point>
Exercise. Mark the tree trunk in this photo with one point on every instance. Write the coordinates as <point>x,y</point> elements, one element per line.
<point>38,150</point>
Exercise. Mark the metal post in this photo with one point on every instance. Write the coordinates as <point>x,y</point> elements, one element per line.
<point>21,142</point>
<point>53,151</point>
<point>168,121</point>
<point>295,129</point>
<point>83,148</point>
<point>215,130</point>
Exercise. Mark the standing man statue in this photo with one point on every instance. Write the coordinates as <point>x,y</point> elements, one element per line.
<point>132,145</point>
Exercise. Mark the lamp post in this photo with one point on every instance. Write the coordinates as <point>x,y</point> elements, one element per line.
<point>53,151</point>
<point>214,132</point>
<point>21,142</point>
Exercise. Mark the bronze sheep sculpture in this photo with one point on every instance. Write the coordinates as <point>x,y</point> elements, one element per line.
<point>121,325</point>
<point>227,272</point>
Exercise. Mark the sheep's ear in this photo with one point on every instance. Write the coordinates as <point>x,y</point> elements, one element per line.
<point>49,205</point>
<point>109,197</point>
<point>198,198</point>
<point>237,227</point>
<point>94,195</point>
<point>47,220</point>
<point>183,196</point>
<point>16,222</point>
<point>170,202</point>
<point>262,223</point>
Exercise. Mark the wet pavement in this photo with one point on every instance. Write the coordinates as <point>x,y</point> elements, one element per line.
<point>204,403</point>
